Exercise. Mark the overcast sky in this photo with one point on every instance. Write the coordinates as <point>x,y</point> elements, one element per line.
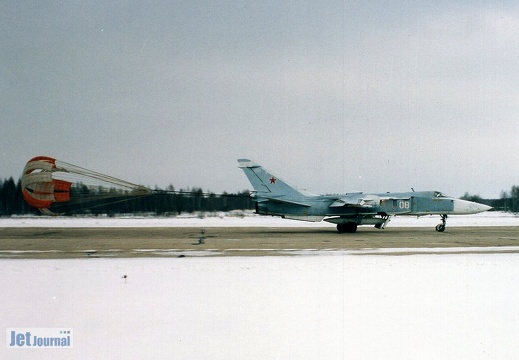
<point>332,96</point>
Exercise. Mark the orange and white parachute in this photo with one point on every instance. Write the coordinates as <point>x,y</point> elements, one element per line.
<point>48,183</point>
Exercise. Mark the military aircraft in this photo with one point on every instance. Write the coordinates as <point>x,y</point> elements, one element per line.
<point>276,197</point>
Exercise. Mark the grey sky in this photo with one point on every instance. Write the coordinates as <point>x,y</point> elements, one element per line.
<point>332,96</point>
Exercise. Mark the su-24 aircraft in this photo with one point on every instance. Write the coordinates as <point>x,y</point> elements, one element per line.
<point>274,196</point>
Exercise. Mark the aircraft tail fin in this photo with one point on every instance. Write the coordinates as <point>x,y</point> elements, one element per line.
<point>265,183</point>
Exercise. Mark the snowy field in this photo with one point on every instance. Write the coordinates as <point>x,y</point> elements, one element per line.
<point>305,307</point>
<point>327,305</point>
<point>246,219</point>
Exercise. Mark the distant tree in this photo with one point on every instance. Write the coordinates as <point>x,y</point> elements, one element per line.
<point>8,198</point>
<point>502,204</point>
<point>514,199</point>
<point>474,198</point>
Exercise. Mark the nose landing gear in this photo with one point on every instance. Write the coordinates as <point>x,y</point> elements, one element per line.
<point>441,227</point>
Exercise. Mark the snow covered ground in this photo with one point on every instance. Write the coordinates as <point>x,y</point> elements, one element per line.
<point>318,305</point>
<point>246,219</point>
<point>304,307</point>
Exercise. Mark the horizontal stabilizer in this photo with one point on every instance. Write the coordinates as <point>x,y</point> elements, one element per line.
<point>263,198</point>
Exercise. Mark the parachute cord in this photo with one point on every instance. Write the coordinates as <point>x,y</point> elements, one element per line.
<point>74,169</point>
<point>156,192</point>
<point>108,203</point>
<point>190,193</point>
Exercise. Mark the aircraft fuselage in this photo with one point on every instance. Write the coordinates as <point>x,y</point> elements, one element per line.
<point>413,203</point>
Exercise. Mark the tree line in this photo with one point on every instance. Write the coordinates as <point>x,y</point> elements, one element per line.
<point>508,201</point>
<point>172,202</point>
<point>161,202</point>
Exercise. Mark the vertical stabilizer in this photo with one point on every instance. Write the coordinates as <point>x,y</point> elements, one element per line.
<point>265,182</point>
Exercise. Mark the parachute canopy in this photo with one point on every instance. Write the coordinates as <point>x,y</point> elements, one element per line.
<point>50,185</point>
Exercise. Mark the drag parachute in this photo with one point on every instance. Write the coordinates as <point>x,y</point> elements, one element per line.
<point>54,186</point>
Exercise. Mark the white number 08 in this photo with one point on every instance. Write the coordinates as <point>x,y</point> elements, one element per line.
<point>404,205</point>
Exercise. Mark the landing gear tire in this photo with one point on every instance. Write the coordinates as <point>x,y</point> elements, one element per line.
<point>441,227</point>
<point>349,227</point>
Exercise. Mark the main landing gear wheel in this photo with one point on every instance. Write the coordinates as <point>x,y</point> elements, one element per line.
<point>349,227</point>
<point>441,227</point>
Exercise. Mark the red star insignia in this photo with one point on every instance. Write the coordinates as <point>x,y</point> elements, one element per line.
<point>273,180</point>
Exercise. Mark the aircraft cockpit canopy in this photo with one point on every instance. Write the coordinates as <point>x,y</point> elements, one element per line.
<point>439,194</point>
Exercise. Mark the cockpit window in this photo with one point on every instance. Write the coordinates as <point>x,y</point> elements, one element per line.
<point>440,195</point>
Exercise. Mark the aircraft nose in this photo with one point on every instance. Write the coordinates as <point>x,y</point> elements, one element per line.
<point>469,207</point>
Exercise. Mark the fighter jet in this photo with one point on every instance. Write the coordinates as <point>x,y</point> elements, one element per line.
<point>276,197</point>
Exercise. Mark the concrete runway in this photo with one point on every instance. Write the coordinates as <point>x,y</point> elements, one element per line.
<point>53,243</point>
